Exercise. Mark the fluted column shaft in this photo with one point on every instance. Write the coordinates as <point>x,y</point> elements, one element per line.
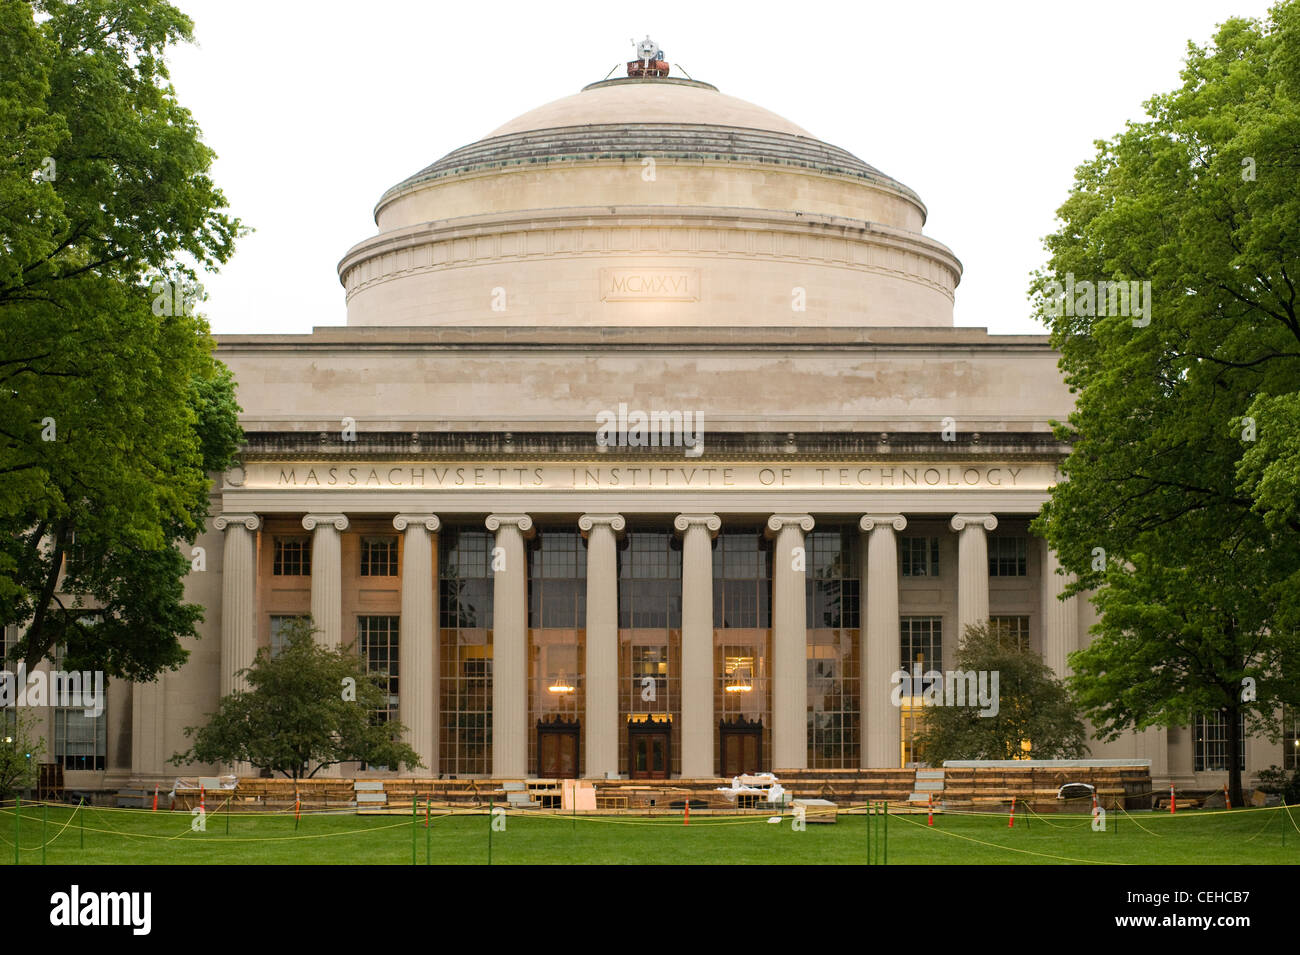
<point>1060,617</point>
<point>327,576</point>
<point>510,646</point>
<point>417,648</point>
<point>972,569</point>
<point>601,678</point>
<point>881,653</point>
<point>238,598</point>
<point>697,531</point>
<point>789,641</point>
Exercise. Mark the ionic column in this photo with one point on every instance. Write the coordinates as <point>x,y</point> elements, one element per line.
<point>417,647</point>
<point>789,642</point>
<point>882,729</point>
<point>601,678</point>
<point>972,569</point>
<point>1060,617</point>
<point>510,646</point>
<point>238,598</point>
<point>327,576</point>
<point>238,608</point>
<point>697,531</point>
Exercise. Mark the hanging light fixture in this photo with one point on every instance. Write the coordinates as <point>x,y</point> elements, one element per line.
<point>560,685</point>
<point>740,678</point>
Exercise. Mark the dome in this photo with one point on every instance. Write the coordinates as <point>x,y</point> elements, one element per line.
<point>649,200</point>
<point>650,100</point>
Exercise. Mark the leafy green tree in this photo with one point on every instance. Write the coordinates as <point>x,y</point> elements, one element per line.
<point>1033,706</point>
<point>113,411</point>
<point>1179,500</point>
<point>20,751</point>
<point>305,709</point>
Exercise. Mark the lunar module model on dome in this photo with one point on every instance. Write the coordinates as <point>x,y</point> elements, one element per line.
<point>650,60</point>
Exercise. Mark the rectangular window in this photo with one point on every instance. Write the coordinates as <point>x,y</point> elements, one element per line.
<point>1211,745</point>
<point>742,576</point>
<point>1007,556</point>
<point>922,642</point>
<point>919,556</point>
<point>831,579</point>
<point>280,623</point>
<point>292,557</point>
<point>377,643</point>
<point>557,580</point>
<point>1012,628</point>
<point>379,556</point>
<point>80,741</point>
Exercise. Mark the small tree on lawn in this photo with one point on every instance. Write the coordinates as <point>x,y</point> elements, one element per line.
<point>20,752</point>
<point>306,708</point>
<point>1033,707</point>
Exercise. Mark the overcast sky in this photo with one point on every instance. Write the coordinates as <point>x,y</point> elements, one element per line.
<point>985,109</point>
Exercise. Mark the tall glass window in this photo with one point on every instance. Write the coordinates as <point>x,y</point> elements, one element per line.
<point>833,608</point>
<point>742,621</point>
<point>649,650</point>
<point>557,629</point>
<point>921,650</point>
<point>377,637</point>
<point>465,658</point>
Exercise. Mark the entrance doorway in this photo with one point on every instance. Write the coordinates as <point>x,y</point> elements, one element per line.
<point>557,749</point>
<point>649,747</point>
<point>741,743</point>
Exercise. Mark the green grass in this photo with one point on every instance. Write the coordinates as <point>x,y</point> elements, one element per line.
<point>140,837</point>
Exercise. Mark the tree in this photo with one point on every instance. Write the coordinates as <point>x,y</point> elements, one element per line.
<point>113,411</point>
<point>20,752</point>
<point>306,708</point>
<point>1032,707</point>
<point>1178,504</point>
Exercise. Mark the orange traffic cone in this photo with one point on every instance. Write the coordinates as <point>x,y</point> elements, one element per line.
<point>686,819</point>
<point>1227,802</point>
<point>155,798</point>
<point>930,821</point>
<point>1173,801</point>
<point>1011,820</point>
<point>202,804</point>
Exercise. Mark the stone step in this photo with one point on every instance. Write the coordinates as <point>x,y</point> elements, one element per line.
<point>929,785</point>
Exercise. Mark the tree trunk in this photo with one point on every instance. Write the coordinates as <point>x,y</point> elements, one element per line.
<point>1232,714</point>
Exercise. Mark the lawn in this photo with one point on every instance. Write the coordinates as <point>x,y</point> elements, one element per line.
<point>104,836</point>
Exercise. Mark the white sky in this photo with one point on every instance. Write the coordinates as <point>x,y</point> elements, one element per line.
<point>984,109</point>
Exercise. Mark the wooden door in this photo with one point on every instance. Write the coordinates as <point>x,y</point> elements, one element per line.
<point>649,755</point>
<point>557,752</point>
<point>742,749</point>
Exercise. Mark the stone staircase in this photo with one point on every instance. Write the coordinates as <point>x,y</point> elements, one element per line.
<point>928,785</point>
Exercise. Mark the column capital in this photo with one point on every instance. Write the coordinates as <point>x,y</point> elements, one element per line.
<point>250,521</point>
<point>309,521</point>
<point>778,522</point>
<point>713,523</point>
<point>615,522</point>
<point>430,521</point>
<point>871,521</point>
<point>495,522</point>
<point>959,521</point>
